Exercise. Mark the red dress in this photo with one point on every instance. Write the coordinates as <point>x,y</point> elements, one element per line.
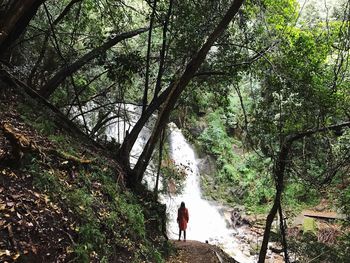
<point>182,218</point>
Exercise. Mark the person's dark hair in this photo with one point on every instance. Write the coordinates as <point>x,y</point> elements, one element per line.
<point>182,205</point>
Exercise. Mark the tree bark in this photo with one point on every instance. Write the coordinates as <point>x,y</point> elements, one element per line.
<point>145,92</point>
<point>46,39</point>
<point>283,234</point>
<point>162,51</point>
<point>176,89</point>
<point>49,88</point>
<point>15,21</point>
<point>278,172</point>
<point>279,168</point>
<point>131,137</point>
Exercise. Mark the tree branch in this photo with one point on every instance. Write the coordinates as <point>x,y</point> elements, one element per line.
<point>47,90</point>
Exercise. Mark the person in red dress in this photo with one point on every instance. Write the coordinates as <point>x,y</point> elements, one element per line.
<point>182,219</point>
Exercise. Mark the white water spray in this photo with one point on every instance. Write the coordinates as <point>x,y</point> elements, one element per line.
<point>206,222</point>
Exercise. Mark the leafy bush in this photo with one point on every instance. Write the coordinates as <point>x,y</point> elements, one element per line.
<point>134,215</point>
<point>307,248</point>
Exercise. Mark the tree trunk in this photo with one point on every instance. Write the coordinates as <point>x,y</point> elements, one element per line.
<point>278,173</point>
<point>176,89</point>
<point>148,58</point>
<point>162,51</point>
<point>49,88</point>
<point>160,158</point>
<point>130,138</point>
<point>283,234</point>
<point>46,40</point>
<point>15,21</point>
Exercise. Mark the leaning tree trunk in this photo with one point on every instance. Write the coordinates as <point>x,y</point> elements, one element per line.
<point>148,57</point>
<point>283,234</point>
<point>163,51</point>
<point>279,169</point>
<point>15,21</point>
<point>176,89</point>
<point>130,138</point>
<point>49,88</point>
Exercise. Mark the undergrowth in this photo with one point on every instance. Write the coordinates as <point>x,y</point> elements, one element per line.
<point>109,221</point>
<point>244,177</point>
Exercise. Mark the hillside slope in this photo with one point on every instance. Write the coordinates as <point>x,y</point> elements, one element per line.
<point>62,198</point>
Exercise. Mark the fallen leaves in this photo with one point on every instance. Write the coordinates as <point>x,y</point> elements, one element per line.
<point>10,204</point>
<point>14,256</point>
<point>29,222</point>
<point>5,252</point>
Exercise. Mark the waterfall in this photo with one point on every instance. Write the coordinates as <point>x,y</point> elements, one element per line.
<point>206,223</point>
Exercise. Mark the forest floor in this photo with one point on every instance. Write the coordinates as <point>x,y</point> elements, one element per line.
<point>31,225</point>
<point>198,252</point>
<point>56,196</point>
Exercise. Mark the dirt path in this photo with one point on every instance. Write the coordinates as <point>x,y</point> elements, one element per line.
<point>197,252</point>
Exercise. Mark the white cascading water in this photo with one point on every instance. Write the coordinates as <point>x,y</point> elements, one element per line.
<point>206,223</point>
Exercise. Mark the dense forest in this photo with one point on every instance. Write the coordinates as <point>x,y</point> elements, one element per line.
<point>260,88</point>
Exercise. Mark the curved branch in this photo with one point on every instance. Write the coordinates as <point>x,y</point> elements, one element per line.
<point>47,90</point>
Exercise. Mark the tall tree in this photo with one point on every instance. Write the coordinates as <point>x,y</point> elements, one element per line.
<point>176,89</point>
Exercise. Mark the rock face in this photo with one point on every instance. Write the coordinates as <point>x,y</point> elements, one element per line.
<point>198,128</point>
<point>207,165</point>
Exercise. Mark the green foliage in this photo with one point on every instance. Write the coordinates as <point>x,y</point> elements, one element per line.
<point>345,202</point>
<point>299,194</point>
<point>307,248</point>
<point>63,143</point>
<point>44,125</point>
<point>37,119</point>
<point>215,138</point>
<point>134,215</point>
<point>241,178</point>
<point>91,239</point>
<point>81,202</point>
<point>45,181</point>
<point>107,218</point>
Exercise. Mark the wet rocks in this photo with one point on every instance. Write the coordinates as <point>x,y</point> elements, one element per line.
<point>237,219</point>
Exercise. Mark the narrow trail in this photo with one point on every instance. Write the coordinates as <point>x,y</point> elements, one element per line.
<point>198,252</point>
